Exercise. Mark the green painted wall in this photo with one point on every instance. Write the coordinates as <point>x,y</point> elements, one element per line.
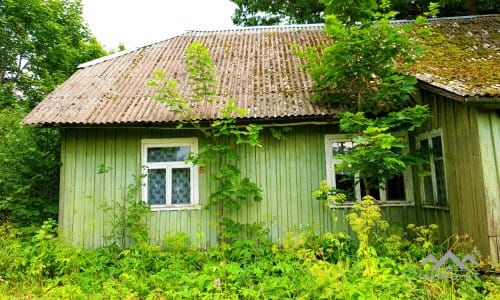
<point>489,139</point>
<point>468,137</point>
<point>287,170</point>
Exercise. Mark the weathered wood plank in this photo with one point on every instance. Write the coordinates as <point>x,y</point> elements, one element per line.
<point>288,170</point>
<point>489,126</point>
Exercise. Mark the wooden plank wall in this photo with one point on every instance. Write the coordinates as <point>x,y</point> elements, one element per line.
<point>287,170</point>
<point>464,174</point>
<point>489,129</point>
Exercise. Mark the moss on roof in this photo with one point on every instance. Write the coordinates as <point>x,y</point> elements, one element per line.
<point>463,55</point>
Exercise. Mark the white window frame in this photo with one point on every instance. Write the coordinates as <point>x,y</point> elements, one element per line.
<point>429,135</point>
<point>168,166</point>
<point>330,175</point>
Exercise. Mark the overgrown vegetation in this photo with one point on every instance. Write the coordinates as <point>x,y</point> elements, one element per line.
<point>42,42</point>
<point>364,73</point>
<point>372,263</point>
<point>29,169</point>
<point>301,266</point>
<point>269,12</point>
<point>126,219</point>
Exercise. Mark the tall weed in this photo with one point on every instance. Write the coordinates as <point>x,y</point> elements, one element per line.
<point>301,266</point>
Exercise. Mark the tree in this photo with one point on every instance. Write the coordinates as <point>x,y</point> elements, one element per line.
<point>29,170</point>
<point>41,44</point>
<point>363,69</point>
<point>270,12</point>
<point>363,72</point>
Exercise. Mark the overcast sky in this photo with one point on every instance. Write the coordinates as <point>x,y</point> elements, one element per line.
<point>139,23</point>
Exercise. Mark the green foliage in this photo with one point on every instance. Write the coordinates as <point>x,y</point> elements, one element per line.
<point>413,8</point>
<point>302,266</point>
<point>269,12</point>
<point>364,73</point>
<point>279,132</point>
<point>424,242</point>
<point>365,220</point>
<point>127,217</point>
<point>201,74</point>
<point>332,247</point>
<point>405,120</point>
<point>42,43</point>
<point>351,11</point>
<point>380,155</point>
<point>364,68</point>
<point>29,170</point>
<point>230,189</point>
<point>328,194</point>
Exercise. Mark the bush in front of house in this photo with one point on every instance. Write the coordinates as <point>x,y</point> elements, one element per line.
<point>301,266</point>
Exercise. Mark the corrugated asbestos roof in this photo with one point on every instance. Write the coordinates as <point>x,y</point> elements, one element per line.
<point>463,57</point>
<point>257,66</point>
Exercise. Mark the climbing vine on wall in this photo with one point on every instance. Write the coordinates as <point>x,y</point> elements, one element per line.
<point>223,134</point>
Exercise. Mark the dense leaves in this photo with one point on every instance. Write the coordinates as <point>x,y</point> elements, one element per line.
<point>267,12</point>
<point>364,73</point>
<point>301,266</point>
<point>363,69</point>
<point>29,165</point>
<point>41,44</point>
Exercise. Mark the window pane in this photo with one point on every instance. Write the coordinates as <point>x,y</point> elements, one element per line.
<point>374,190</point>
<point>165,154</point>
<point>428,193</point>
<point>181,186</point>
<point>395,188</point>
<point>440,182</point>
<point>437,149</point>
<point>424,145</point>
<point>341,147</point>
<point>156,186</point>
<point>344,183</point>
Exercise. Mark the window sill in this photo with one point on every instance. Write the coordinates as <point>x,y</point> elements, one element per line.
<point>433,206</point>
<point>174,207</point>
<point>377,203</point>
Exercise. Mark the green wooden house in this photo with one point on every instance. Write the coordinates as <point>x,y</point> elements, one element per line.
<point>108,119</point>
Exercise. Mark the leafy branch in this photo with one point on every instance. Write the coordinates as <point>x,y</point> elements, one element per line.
<point>230,188</point>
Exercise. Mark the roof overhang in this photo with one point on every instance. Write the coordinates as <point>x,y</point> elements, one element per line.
<point>480,101</point>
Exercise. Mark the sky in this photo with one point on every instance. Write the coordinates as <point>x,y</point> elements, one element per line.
<point>139,23</point>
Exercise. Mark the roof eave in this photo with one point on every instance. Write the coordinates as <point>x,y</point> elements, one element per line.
<point>270,121</point>
<point>467,99</point>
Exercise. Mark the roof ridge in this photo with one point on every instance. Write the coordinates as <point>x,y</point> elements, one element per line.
<point>259,27</point>
<point>436,19</point>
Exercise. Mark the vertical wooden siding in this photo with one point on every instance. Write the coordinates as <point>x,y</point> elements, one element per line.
<point>489,130</point>
<point>287,170</point>
<point>464,171</point>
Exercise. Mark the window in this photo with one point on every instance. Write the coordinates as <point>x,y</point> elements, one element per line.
<point>396,191</point>
<point>169,182</point>
<point>433,180</point>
